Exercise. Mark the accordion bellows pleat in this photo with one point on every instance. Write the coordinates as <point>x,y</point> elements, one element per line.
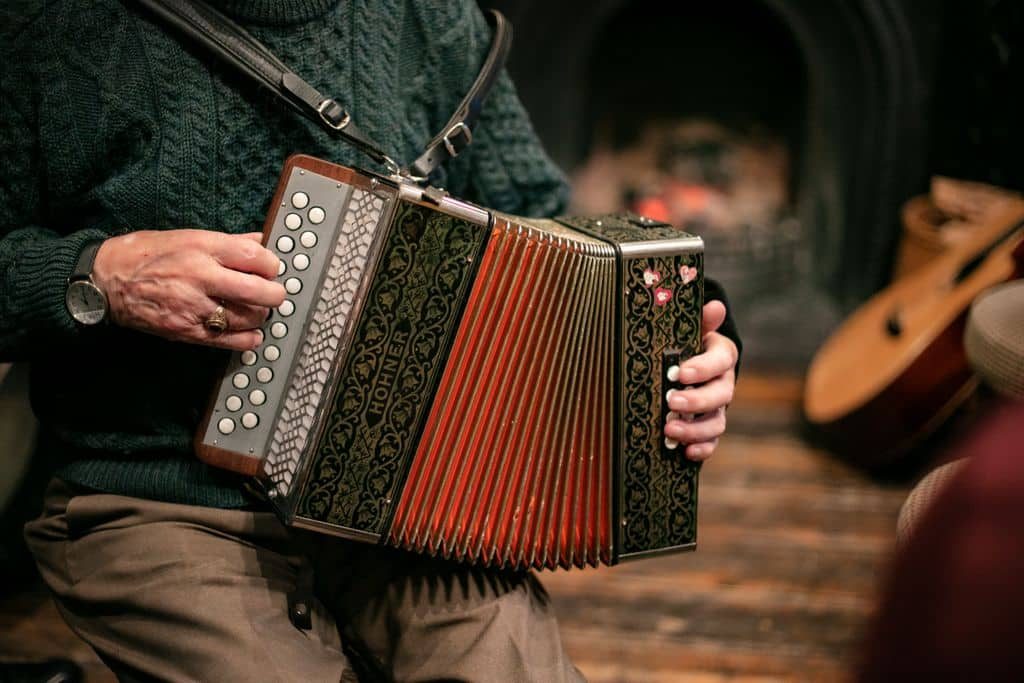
<point>526,392</point>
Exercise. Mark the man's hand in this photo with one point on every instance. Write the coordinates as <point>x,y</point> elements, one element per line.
<point>169,282</point>
<point>715,371</point>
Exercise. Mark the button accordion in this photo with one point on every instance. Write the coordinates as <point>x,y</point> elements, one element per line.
<point>454,381</point>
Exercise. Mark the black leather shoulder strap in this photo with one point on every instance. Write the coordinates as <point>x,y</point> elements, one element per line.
<point>230,42</point>
<point>458,132</point>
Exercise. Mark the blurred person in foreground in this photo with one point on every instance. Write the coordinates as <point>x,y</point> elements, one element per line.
<point>952,603</point>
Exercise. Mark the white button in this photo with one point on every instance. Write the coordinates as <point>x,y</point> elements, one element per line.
<point>249,357</point>
<point>673,373</point>
<point>670,444</point>
<point>286,308</point>
<point>257,397</point>
<point>250,420</point>
<point>277,330</point>
<point>233,403</point>
<point>240,380</point>
<point>301,262</point>
<point>281,267</point>
<point>317,215</point>
<point>293,221</point>
<point>271,353</point>
<point>226,425</point>
<point>285,244</point>
<point>264,375</point>
<point>308,239</point>
<point>293,285</point>
<point>300,200</point>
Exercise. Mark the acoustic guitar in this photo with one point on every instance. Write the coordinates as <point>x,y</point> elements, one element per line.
<point>896,369</point>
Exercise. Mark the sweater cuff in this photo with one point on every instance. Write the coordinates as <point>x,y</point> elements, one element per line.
<point>713,291</point>
<point>38,281</point>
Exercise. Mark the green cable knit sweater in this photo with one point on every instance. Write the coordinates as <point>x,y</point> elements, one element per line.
<point>108,124</point>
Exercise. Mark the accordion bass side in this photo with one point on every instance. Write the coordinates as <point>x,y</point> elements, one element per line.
<point>458,382</point>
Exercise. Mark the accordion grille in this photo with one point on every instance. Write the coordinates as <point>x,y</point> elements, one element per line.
<point>514,464</point>
<point>323,340</point>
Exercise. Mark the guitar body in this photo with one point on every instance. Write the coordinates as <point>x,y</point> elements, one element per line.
<point>896,369</point>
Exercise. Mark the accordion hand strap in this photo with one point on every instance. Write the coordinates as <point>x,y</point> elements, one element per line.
<point>233,44</point>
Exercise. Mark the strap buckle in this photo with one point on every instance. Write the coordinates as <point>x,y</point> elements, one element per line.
<point>458,126</point>
<point>329,120</point>
<point>393,168</point>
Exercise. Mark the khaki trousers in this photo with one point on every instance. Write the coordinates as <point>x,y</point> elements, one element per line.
<point>182,593</point>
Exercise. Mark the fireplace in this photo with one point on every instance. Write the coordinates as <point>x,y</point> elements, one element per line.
<point>785,132</point>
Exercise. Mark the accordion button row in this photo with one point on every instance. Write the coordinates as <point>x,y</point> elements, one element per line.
<point>226,425</point>
<point>672,376</point>
<point>271,352</point>
<point>263,375</point>
<point>315,216</point>
<point>257,397</point>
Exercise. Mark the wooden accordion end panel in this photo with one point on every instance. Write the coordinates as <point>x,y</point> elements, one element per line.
<point>464,384</point>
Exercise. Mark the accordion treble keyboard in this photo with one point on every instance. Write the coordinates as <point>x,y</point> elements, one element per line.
<point>465,384</point>
<point>322,231</point>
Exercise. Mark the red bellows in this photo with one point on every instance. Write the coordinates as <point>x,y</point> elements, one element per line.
<point>514,464</point>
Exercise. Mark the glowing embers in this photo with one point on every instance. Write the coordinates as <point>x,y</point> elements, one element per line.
<point>514,464</point>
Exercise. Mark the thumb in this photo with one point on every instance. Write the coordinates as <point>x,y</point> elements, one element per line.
<point>254,236</point>
<point>714,316</point>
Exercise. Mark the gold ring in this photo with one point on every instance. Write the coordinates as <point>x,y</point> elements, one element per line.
<point>218,321</point>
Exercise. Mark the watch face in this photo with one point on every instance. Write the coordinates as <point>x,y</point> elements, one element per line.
<point>85,302</point>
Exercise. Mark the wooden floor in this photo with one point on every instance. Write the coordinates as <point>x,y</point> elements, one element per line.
<point>791,544</point>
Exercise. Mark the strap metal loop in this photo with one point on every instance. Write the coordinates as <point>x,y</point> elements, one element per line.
<point>336,125</point>
<point>392,166</point>
<point>459,126</point>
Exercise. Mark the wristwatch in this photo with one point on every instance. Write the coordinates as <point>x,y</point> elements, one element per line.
<point>86,302</point>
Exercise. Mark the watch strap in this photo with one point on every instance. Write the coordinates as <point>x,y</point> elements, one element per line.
<point>86,259</point>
